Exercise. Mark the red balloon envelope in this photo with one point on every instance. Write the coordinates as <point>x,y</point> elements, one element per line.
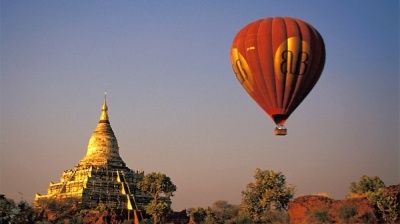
<point>278,61</point>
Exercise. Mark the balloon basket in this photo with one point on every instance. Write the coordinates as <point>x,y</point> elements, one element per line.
<point>280,130</point>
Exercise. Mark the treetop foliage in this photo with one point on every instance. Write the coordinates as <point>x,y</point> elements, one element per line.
<point>269,192</point>
<point>157,185</point>
<point>375,190</point>
<point>366,184</point>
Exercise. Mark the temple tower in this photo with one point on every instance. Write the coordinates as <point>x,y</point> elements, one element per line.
<point>100,177</point>
<point>103,147</point>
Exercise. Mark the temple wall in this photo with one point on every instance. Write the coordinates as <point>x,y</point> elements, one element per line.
<point>92,186</point>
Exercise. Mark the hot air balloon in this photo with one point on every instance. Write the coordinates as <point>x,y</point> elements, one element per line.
<point>278,61</point>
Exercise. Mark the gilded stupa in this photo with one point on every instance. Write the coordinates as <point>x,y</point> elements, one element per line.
<point>100,177</point>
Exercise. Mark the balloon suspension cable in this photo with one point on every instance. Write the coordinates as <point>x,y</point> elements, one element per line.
<point>280,130</point>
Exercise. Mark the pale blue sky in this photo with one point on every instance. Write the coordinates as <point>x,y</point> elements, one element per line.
<point>175,104</point>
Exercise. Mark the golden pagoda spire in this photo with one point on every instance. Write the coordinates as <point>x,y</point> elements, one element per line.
<point>104,111</point>
<point>103,147</point>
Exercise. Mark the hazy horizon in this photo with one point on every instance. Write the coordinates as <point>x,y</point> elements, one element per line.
<point>174,102</point>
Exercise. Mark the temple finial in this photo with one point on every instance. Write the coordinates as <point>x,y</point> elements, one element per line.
<point>104,110</point>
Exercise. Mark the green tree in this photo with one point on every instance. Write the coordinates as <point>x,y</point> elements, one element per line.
<point>210,217</point>
<point>197,214</point>
<point>157,209</point>
<point>386,204</point>
<point>8,209</point>
<point>366,184</point>
<point>224,211</point>
<point>375,190</point>
<point>242,219</point>
<point>10,212</point>
<point>200,215</point>
<point>25,212</point>
<point>268,192</point>
<point>161,189</point>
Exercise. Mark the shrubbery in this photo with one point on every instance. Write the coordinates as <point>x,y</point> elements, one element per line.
<point>375,190</point>
<point>346,212</point>
<point>320,216</point>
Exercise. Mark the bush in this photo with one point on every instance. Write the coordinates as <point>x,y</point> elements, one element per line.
<point>346,212</point>
<point>375,191</point>
<point>366,184</point>
<point>278,217</point>
<point>368,218</point>
<point>320,216</point>
<point>243,219</point>
<point>386,204</point>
